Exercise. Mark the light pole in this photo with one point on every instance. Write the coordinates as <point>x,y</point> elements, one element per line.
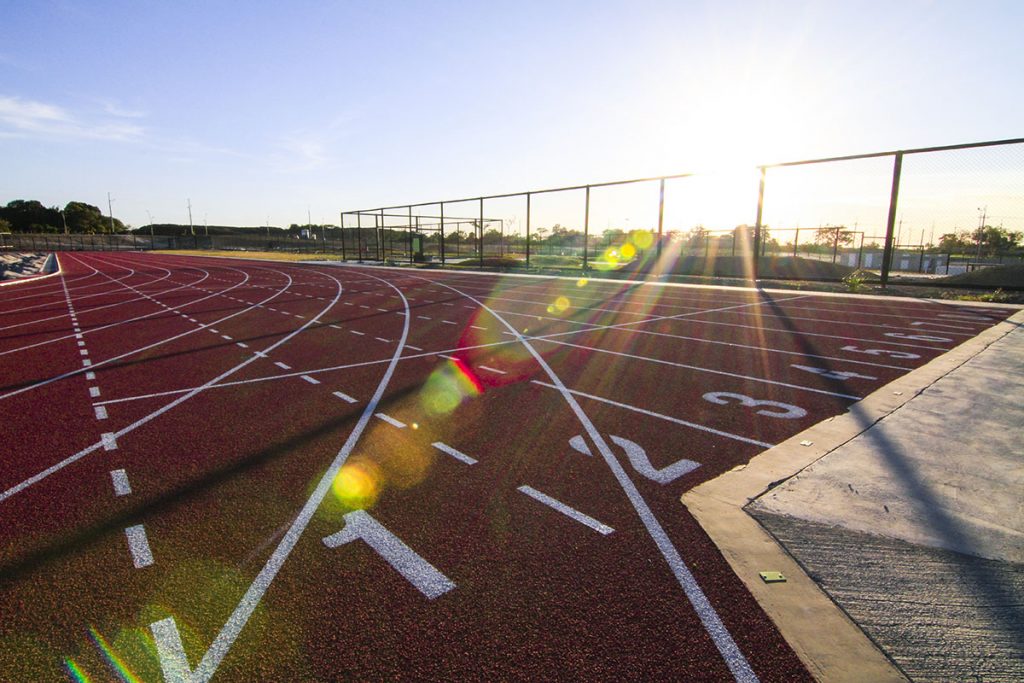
<point>110,210</point>
<point>981,229</point>
<point>191,230</point>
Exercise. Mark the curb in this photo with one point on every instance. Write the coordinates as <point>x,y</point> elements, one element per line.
<point>831,645</point>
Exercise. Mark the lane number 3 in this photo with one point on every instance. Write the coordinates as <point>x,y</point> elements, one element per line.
<point>785,411</point>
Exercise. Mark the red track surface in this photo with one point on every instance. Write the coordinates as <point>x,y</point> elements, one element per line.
<point>201,374</point>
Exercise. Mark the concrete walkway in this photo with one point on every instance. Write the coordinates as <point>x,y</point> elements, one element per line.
<point>899,526</point>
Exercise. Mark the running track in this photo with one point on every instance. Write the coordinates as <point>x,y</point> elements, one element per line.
<point>246,470</point>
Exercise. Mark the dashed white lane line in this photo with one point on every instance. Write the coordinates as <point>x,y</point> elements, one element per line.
<point>138,544</point>
<point>451,358</point>
<point>86,363</point>
<point>84,352</point>
<point>458,455</point>
<point>449,322</point>
<point>310,379</point>
<point>382,339</point>
<point>334,327</point>
<point>225,336</point>
<point>94,392</point>
<point>414,348</point>
<point>390,420</point>
<point>109,441</point>
<point>423,317</point>
<point>477,327</point>
<point>81,343</point>
<point>242,345</point>
<point>101,412</point>
<point>90,375</point>
<point>490,369</point>
<point>361,334</point>
<point>344,397</point>
<point>283,366</point>
<point>120,480</point>
<point>571,513</point>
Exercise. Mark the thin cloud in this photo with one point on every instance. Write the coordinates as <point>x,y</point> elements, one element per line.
<point>28,118</point>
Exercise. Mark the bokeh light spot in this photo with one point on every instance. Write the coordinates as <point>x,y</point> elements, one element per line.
<point>643,239</point>
<point>628,251</point>
<point>582,282</point>
<point>561,303</point>
<point>357,485</point>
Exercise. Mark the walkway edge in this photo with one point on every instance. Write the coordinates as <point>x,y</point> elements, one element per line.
<point>831,645</point>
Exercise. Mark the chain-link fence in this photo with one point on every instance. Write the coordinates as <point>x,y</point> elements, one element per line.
<point>950,215</point>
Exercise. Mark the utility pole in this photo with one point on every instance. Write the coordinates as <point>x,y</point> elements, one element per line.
<point>191,229</point>
<point>150,223</point>
<point>981,228</point>
<point>110,211</point>
<point>65,219</point>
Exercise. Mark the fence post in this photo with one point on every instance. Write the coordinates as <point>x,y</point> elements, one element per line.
<point>480,235</point>
<point>586,231</point>
<point>897,169</point>
<point>442,233</point>
<point>661,224</point>
<point>341,224</point>
<point>410,236</point>
<point>757,226</point>
<point>527,229</point>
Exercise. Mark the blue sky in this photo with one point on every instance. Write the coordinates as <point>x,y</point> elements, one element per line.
<point>259,111</point>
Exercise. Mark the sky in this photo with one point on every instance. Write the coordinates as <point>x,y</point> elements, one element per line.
<point>266,112</point>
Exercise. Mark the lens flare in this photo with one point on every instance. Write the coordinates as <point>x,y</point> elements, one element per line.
<point>582,282</point>
<point>447,387</point>
<point>627,251</point>
<point>126,674</point>
<point>643,239</point>
<point>76,673</point>
<point>357,485</point>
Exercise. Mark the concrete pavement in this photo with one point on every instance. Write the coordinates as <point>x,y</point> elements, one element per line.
<point>899,525</point>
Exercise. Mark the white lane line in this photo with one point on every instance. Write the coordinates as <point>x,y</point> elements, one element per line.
<point>207,667</point>
<point>90,375</point>
<point>283,366</point>
<point>86,363</point>
<point>138,544</point>
<point>423,317</point>
<point>458,455</point>
<point>477,327</point>
<point>228,337</point>
<point>361,334</point>
<point>500,372</point>
<point>214,331</point>
<point>451,358</point>
<point>344,397</point>
<point>310,379</point>
<point>382,339</point>
<point>94,392</point>
<point>101,412</point>
<point>383,310</point>
<point>242,345</point>
<point>571,513</point>
<point>120,480</point>
<point>81,343</point>
<point>414,348</point>
<point>390,420</point>
<point>334,327</point>
<point>651,413</point>
<point>84,352</point>
<point>696,368</point>
<point>109,441</point>
<point>170,651</point>
<point>712,622</point>
<point>449,322</point>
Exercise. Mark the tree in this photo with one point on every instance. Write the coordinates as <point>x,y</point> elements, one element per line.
<point>84,218</point>
<point>996,240</point>
<point>28,215</point>
<point>954,242</point>
<point>829,235</point>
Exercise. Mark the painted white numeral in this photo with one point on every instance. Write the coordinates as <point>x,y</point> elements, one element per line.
<point>950,327</point>
<point>917,337</point>
<point>641,463</point>
<point>832,374</point>
<point>417,571</point>
<point>963,316</point>
<point>882,352</point>
<point>785,411</point>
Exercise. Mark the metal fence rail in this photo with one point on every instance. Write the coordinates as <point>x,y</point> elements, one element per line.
<point>880,211</point>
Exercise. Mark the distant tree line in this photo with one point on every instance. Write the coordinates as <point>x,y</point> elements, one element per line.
<point>29,215</point>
